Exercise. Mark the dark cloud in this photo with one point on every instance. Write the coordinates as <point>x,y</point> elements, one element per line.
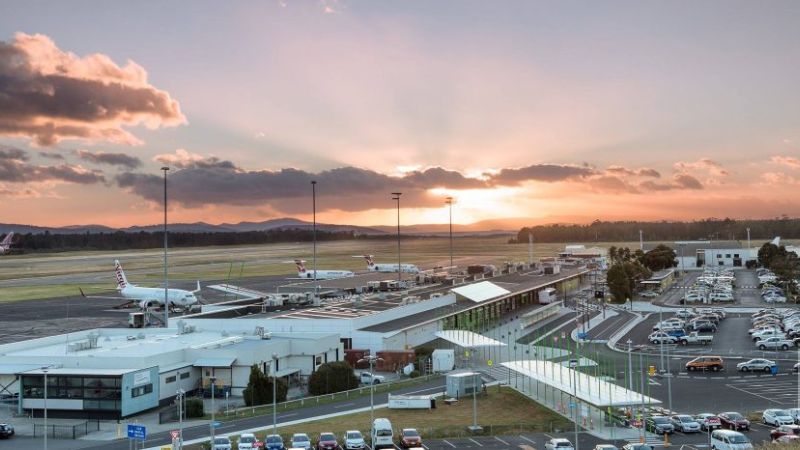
<point>48,95</point>
<point>641,172</point>
<point>50,155</point>
<point>540,172</point>
<point>182,159</point>
<point>685,181</point>
<point>14,168</point>
<point>113,159</point>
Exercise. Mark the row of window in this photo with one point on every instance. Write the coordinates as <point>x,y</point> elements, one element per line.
<point>174,378</point>
<point>142,390</point>
<point>72,382</point>
<point>727,255</point>
<point>72,393</point>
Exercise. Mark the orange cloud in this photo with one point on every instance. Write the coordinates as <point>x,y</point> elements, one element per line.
<point>49,95</point>
<point>788,161</point>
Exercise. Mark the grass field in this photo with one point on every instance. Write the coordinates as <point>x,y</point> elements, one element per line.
<point>499,411</point>
<point>25,277</point>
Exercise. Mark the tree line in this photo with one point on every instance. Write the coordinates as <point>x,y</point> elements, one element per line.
<point>628,268</point>
<point>712,228</point>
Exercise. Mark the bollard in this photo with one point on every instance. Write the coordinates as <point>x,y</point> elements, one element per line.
<point>666,439</point>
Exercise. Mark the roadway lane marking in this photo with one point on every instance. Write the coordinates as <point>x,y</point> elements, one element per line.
<point>343,406</point>
<point>530,440</point>
<point>504,442</point>
<point>473,440</point>
<point>448,443</point>
<point>751,393</point>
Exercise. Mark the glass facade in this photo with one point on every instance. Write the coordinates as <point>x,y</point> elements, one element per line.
<point>97,392</point>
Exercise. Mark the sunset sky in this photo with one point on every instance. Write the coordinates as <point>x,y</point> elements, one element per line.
<point>550,111</point>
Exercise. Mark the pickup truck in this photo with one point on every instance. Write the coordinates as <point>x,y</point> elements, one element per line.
<point>368,378</point>
<point>695,338</point>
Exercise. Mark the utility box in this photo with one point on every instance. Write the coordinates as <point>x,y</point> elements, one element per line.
<point>555,269</point>
<point>411,402</point>
<point>443,360</point>
<point>464,383</point>
<point>136,320</point>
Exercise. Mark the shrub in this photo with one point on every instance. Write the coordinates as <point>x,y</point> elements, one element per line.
<point>194,407</point>
<point>259,388</point>
<point>414,373</point>
<point>332,377</point>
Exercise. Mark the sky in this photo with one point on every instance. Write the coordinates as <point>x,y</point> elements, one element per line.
<point>559,111</point>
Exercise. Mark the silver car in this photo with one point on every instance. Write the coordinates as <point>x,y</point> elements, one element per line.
<point>685,423</point>
<point>763,365</point>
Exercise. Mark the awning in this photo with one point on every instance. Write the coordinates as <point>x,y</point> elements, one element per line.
<point>587,388</point>
<point>480,292</point>
<point>287,371</point>
<point>214,362</point>
<point>468,339</point>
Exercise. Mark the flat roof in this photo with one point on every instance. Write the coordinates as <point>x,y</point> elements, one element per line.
<point>80,371</point>
<point>468,339</point>
<point>481,291</point>
<point>214,362</point>
<point>587,388</point>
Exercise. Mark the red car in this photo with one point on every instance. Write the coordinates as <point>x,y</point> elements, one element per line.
<point>327,441</point>
<point>734,421</point>
<point>785,430</point>
<point>410,438</point>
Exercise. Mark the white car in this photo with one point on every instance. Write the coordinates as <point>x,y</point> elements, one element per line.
<point>758,364</point>
<point>247,441</point>
<point>774,343</point>
<point>353,440</point>
<point>301,440</point>
<point>777,417</point>
<point>222,443</point>
<point>759,335</point>
<point>693,297</point>
<point>659,336</point>
<point>649,294</point>
<point>559,444</point>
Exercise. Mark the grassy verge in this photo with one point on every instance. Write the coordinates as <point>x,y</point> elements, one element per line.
<point>20,293</point>
<point>500,411</point>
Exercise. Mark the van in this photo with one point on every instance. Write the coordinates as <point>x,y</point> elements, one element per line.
<point>714,363</point>
<point>729,440</point>
<point>382,434</point>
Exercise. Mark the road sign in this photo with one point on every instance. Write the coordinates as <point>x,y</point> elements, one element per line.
<point>489,363</point>
<point>175,434</point>
<point>138,432</point>
<point>216,424</point>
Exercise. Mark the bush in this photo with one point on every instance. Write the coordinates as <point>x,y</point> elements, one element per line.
<point>194,407</point>
<point>332,377</point>
<point>414,373</point>
<point>259,388</point>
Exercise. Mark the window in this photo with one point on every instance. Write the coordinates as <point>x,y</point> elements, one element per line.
<point>719,255</point>
<point>171,379</point>
<point>318,360</point>
<point>142,390</point>
<point>72,387</point>
<point>727,255</point>
<point>185,375</point>
<point>735,255</point>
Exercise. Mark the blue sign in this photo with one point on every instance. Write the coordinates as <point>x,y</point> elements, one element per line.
<point>138,432</point>
<point>216,424</point>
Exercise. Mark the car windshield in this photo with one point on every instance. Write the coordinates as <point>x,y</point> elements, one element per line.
<point>660,420</point>
<point>410,433</point>
<point>221,441</point>
<point>384,433</point>
<point>735,416</point>
<point>327,437</point>
<point>685,418</point>
<point>563,444</point>
<point>780,412</point>
<point>273,440</point>
<point>300,438</point>
<point>737,439</point>
<point>354,435</point>
<point>250,440</point>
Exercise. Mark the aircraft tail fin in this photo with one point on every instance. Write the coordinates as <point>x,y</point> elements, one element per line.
<point>370,261</point>
<point>777,241</point>
<point>7,240</point>
<point>301,265</point>
<point>122,280</point>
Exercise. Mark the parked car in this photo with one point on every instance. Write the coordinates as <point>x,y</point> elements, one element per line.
<point>783,430</point>
<point>684,314</point>
<point>695,338</point>
<point>708,421</point>
<point>787,439</point>
<point>409,437</point>
<point>774,343</point>
<point>6,431</point>
<point>301,440</point>
<point>685,423</point>
<point>605,447</point>
<point>734,421</point>
<point>767,333</point>
<point>354,440</point>
<point>222,443</point>
<point>703,325</point>
<point>795,413</point>
<point>248,441</point>
<point>713,363</point>
<point>636,446</point>
<point>559,444</point>
<point>649,294</point>
<point>661,337</point>
<point>659,425</point>
<point>763,365</point>
<point>729,440</point>
<point>777,417</point>
<point>327,441</point>
<point>271,442</point>
<point>370,378</point>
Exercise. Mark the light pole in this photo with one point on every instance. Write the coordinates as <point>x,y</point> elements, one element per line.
<point>449,201</point>
<point>371,360</point>
<point>314,228</point>
<point>213,381</point>
<point>44,370</point>
<point>396,196</point>
<point>274,393</point>
<point>181,395</point>
<point>166,280</point>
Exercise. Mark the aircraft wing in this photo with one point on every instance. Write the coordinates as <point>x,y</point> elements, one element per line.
<point>103,297</point>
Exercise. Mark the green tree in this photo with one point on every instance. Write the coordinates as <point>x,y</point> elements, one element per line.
<point>659,258</point>
<point>622,278</point>
<point>767,253</point>
<point>332,377</point>
<point>259,388</point>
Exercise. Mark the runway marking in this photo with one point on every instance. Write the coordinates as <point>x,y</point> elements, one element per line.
<point>504,442</point>
<point>448,443</point>
<point>473,440</point>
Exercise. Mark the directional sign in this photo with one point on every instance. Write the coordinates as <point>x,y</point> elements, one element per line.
<point>216,424</point>
<point>175,434</point>
<point>138,432</point>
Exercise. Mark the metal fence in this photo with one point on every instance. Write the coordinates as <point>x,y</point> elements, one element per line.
<point>67,431</point>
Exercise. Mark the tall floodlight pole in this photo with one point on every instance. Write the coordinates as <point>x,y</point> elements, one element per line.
<point>449,201</point>
<point>641,241</point>
<point>396,196</point>
<point>213,386</point>
<point>274,393</point>
<point>314,228</point>
<point>44,370</point>
<point>371,360</point>
<point>181,396</point>
<point>166,279</point>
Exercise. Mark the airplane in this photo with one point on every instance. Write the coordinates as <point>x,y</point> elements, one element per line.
<point>5,245</point>
<point>373,267</point>
<point>305,274</point>
<point>146,296</point>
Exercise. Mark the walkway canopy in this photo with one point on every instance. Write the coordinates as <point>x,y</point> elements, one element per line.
<point>586,388</point>
<point>480,292</point>
<point>468,339</point>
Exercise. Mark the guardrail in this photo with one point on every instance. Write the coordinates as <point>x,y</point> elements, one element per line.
<point>66,431</point>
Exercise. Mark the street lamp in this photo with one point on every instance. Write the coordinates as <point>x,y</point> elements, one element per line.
<point>274,393</point>
<point>314,228</point>
<point>371,359</point>
<point>213,381</point>
<point>180,397</point>
<point>449,201</point>
<point>396,196</point>
<point>44,370</point>
<point>166,280</point>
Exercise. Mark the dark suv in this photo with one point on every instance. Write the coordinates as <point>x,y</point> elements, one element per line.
<point>659,425</point>
<point>6,431</point>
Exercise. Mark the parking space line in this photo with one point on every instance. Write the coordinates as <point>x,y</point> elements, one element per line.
<point>504,442</point>
<point>748,392</point>
<point>448,443</point>
<point>473,440</point>
<point>531,440</point>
